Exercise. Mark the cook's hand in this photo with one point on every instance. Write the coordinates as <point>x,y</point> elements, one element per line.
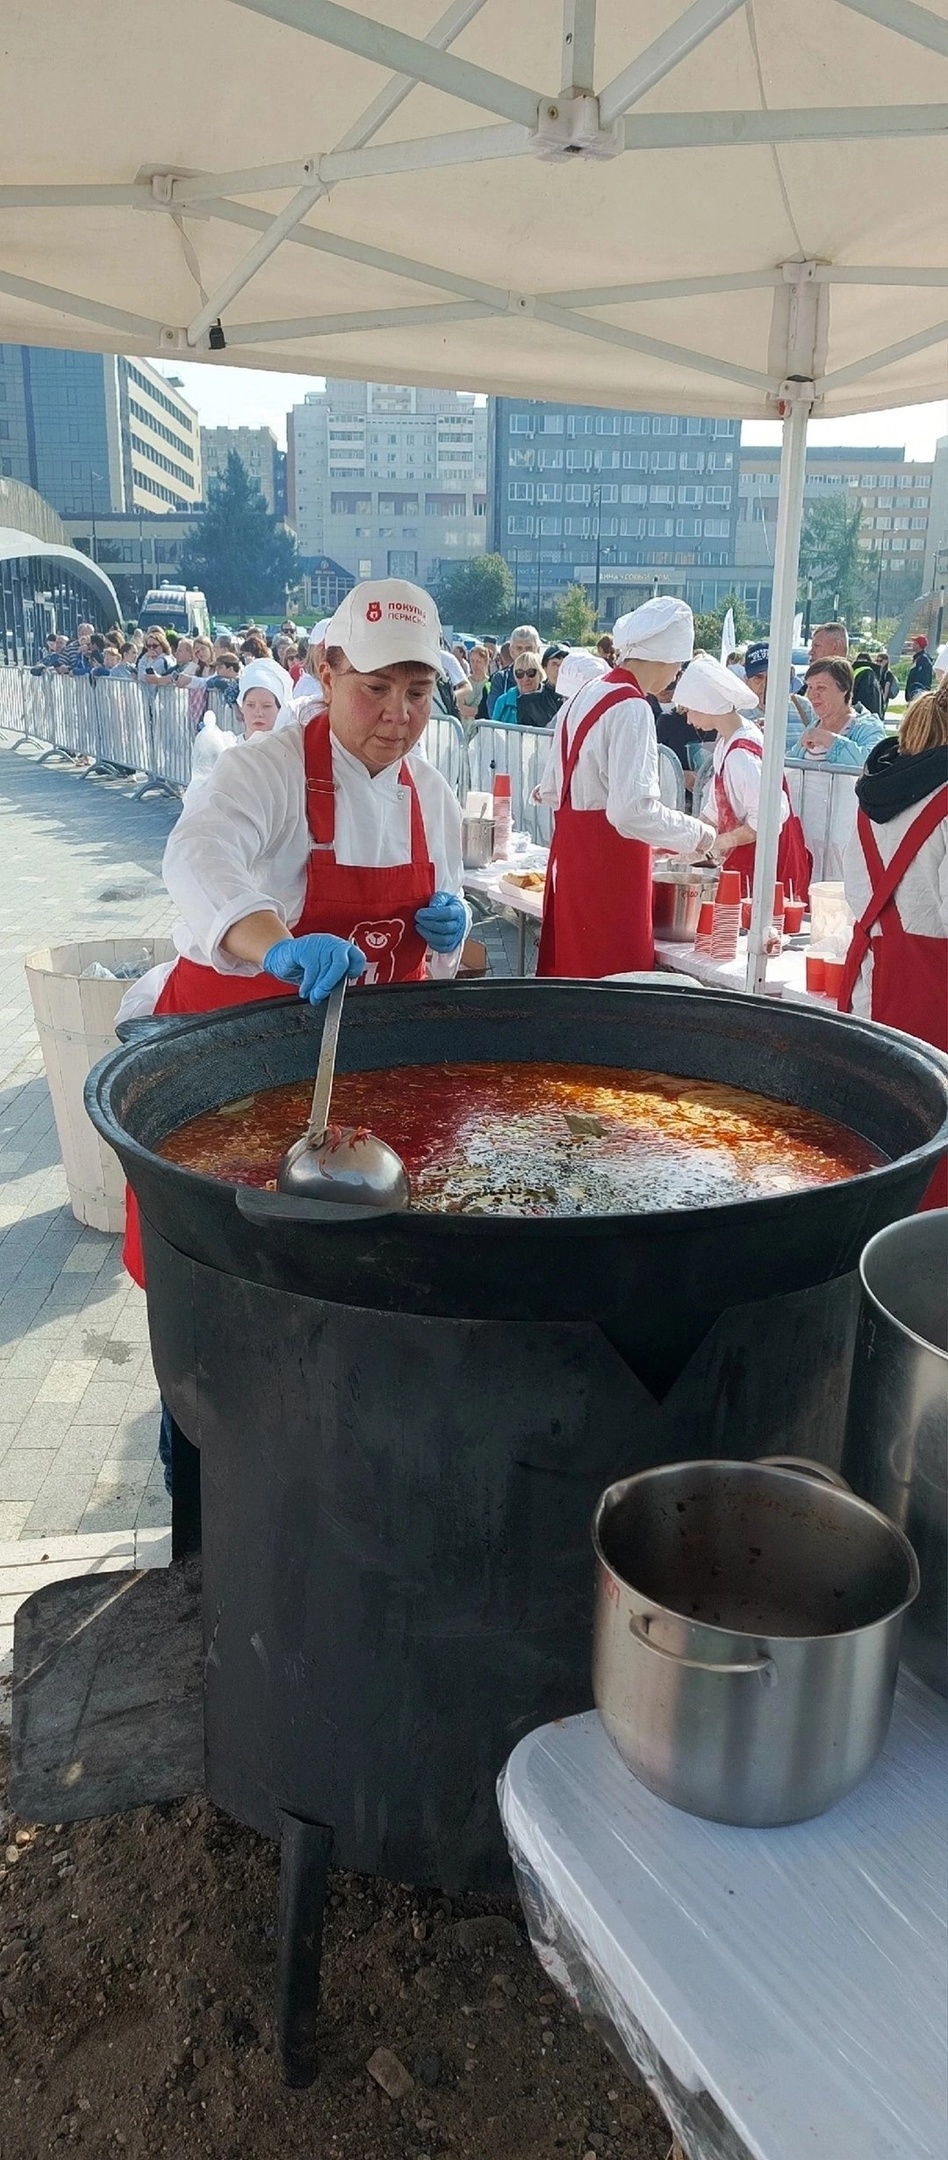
<point>720,847</point>
<point>443,922</point>
<point>317,962</point>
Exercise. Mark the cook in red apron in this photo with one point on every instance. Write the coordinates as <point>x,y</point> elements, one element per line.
<point>794,861</point>
<point>909,988</point>
<point>597,906</point>
<point>373,909</point>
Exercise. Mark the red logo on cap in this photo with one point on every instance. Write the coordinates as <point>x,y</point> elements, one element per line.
<point>373,612</point>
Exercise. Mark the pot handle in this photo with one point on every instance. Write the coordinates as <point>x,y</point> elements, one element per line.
<point>804,1467</point>
<point>763,1666</point>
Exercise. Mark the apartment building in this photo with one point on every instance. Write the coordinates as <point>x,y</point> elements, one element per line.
<point>97,432</point>
<point>895,494</point>
<point>387,481</point>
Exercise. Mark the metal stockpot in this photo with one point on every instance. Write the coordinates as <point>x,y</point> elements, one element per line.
<point>677,896</point>
<point>747,1629</point>
<point>896,1448</point>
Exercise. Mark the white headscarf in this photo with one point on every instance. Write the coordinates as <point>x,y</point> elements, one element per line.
<point>265,675</point>
<point>707,687</point>
<point>578,667</point>
<point>661,629</point>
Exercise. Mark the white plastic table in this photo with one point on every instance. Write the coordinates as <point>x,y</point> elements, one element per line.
<point>527,906</point>
<point>784,1992</point>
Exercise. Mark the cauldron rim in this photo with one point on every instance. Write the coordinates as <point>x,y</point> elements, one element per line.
<point>175,1029</point>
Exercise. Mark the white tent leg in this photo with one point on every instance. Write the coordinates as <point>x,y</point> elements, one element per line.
<point>786,562</point>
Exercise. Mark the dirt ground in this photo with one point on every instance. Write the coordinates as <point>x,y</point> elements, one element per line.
<point>136,1964</point>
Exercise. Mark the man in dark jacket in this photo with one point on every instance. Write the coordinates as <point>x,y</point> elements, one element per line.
<point>867,690</point>
<point>921,671</point>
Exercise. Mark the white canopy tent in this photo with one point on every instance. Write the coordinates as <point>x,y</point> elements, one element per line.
<point>737,209</point>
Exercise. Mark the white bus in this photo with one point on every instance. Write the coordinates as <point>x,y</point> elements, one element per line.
<point>171,607</point>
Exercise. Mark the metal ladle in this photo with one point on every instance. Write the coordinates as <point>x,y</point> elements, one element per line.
<point>340,1164</point>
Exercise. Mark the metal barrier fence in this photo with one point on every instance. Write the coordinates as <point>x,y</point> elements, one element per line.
<point>825,803</point>
<point>151,732</point>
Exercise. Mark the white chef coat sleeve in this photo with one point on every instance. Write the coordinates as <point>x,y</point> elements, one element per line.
<point>552,778</point>
<point>214,861</point>
<point>742,782</point>
<point>629,750</point>
<point>442,820</point>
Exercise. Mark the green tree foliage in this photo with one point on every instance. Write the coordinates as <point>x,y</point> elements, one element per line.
<point>888,585</point>
<point>477,595</point>
<point>708,627</point>
<point>831,553</point>
<point>239,555</point>
<point>575,619</point>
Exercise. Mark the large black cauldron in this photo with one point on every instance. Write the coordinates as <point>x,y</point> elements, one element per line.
<point>404,1428</point>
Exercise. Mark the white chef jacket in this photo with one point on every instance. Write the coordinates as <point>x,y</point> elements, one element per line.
<point>242,845</point>
<point>742,775</point>
<point>921,896</point>
<point>617,771</point>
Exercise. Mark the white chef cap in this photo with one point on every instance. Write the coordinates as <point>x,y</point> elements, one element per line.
<point>939,664</point>
<point>707,687</point>
<point>265,675</point>
<point>576,668</point>
<point>661,629</point>
<point>316,636</point>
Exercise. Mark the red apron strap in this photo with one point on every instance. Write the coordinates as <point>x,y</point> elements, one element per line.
<point>320,789</point>
<point>885,880</point>
<point>602,705</point>
<point>419,837</point>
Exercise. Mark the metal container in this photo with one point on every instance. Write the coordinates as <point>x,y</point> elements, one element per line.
<point>677,897</point>
<point>896,1449</point>
<point>747,1628</point>
<point>477,842</point>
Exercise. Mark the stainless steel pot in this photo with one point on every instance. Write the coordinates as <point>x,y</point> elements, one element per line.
<point>896,1449</point>
<point>746,1638</point>
<point>677,895</point>
<point>477,842</point>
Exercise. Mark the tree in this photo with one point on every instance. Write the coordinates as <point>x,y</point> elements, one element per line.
<point>709,627</point>
<point>477,595</point>
<point>831,554</point>
<point>240,556</point>
<point>575,619</point>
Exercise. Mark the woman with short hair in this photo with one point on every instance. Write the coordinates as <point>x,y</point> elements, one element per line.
<point>844,734</point>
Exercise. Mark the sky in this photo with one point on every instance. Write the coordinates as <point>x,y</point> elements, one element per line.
<point>250,397</point>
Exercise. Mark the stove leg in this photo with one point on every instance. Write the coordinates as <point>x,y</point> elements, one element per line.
<point>305,1852</point>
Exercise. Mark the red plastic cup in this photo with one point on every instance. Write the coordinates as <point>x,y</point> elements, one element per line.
<point>729,889</point>
<point>833,977</point>
<point>746,910</point>
<point>503,786</point>
<point>815,972</point>
<point>793,917</point>
<point>705,926</point>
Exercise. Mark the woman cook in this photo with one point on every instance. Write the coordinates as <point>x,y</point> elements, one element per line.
<point>602,778</point>
<point>716,699</point>
<point>326,849</point>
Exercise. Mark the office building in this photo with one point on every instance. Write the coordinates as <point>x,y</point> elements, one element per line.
<point>92,431</point>
<point>895,495</point>
<point>386,481</point>
<point>138,549</point>
<point>622,503</point>
<point>258,453</point>
<point>935,573</point>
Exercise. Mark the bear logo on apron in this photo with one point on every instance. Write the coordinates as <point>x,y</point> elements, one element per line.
<point>378,941</point>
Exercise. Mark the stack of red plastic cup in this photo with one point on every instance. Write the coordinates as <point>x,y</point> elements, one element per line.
<point>705,926</point>
<point>726,920</point>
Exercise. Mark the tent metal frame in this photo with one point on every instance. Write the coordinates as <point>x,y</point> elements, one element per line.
<point>573,122</point>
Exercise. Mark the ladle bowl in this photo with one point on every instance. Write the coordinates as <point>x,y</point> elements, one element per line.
<point>339,1165</point>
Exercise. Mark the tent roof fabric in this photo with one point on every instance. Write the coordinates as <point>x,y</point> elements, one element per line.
<point>664,206</point>
<point>22,546</point>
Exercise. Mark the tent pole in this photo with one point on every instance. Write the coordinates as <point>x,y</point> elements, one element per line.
<point>786,560</point>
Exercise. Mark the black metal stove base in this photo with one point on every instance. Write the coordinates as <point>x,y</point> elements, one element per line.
<point>108,1708</point>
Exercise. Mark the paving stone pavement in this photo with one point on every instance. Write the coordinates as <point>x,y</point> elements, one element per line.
<point>78,1400</point>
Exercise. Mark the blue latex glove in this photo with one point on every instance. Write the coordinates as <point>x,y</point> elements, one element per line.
<point>317,962</point>
<point>443,923</point>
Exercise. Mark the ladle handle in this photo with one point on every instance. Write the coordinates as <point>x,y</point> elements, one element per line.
<point>326,1069</point>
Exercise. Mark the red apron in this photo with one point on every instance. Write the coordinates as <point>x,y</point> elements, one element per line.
<point>794,861</point>
<point>597,907</point>
<point>909,973</point>
<point>374,909</point>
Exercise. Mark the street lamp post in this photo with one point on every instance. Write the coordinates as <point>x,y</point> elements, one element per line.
<point>598,550</point>
<point>93,477</point>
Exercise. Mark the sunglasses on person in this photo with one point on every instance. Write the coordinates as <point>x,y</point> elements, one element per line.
<point>526,674</point>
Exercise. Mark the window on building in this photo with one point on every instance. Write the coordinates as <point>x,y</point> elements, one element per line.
<point>608,493</point>
<point>350,505</point>
<point>920,502</point>
<point>664,424</point>
<point>403,562</point>
<point>5,430</point>
<point>520,525</point>
<point>723,460</point>
<point>579,461</point>
<point>549,491</point>
<point>579,423</point>
<point>661,528</point>
<point>916,543</point>
<point>720,495</point>
<point>607,424</point>
<point>633,527</point>
<point>634,492</point>
<point>906,480</point>
<point>695,427</point>
<point>517,491</point>
<point>716,528</point>
<point>691,460</point>
<point>550,527</point>
<point>691,494</point>
<point>919,524</point>
<point>724,427</point>
<point>688,528</point>
<point>550,460</point>
<point>883,524</point>
<point>521,423</point>
<point>898,546</point>
<point>663,461</point>
<point>580,528</point>
<point>552,423</point>
<point>637,423</point>
<point>577,491</point>
<point>661,494</point>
